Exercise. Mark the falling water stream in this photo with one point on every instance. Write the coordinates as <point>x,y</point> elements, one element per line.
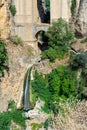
<point>26,100</point>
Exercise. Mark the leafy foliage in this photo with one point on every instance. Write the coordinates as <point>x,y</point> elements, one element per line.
<point>47,15</point>
<point>17,117</point>
<point>48,122</point>
<point>12,9</point>
<point>60,38</point>
<point>17,40</point>
<point>73,6</point>
<point>47,5</point>
<point>13,115</point>
<point>5,121</point>
<point>60,83</point>
<point>3,56</point>
<point>39,86</point>
<point>80,60</point>
<point>36,126</point>
<point>12,105</point>
<point>51,54</point>
<point>84,40</point>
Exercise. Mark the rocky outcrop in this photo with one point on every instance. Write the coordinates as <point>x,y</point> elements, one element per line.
<point>5,18</point>
<point>81,17</point>
<point>20,59</point>
<point>37,116</point>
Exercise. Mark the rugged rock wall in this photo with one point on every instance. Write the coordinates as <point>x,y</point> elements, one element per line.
<point>20,59</point>
<point>81,17</point>
<point>5,18</point>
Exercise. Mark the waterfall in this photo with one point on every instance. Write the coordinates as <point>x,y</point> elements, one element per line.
<point>26,100</point>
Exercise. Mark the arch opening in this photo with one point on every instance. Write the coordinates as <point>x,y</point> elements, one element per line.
<point>43,7</point>
<point>42,40</point>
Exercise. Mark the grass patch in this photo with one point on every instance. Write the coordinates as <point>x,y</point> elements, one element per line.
<point>17,40</point>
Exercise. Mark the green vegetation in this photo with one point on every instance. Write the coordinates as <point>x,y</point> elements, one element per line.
<point>13,115</point>
<point>45,125</point>
<point>36,126</point>
<point>3,57</point>
<point>60,37</point>
<point>12,9</point>
<point>17,40</point>
<point>39,88</point>
<point>73,6</point>
<point>84,40</point>
<point>48,122</point>
<point>80,60</point>
<point>47,5</point>
<point>61,83</point>
<point>47,15</point>
<point>12,105</point>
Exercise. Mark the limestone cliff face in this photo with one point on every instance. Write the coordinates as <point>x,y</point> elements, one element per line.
<point>81,17</point>
<point>20,59</point>
<point>5,18</point>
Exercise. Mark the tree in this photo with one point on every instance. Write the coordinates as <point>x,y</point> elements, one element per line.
<point>47,5</point>
<point>60,37</point>
<point>3,57</point>
<point>12,9</point>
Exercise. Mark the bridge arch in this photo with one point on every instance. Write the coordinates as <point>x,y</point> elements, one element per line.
<point>41,40</point>
<point>38,33</point>
<point>28,24</point>
<point>40,27</point>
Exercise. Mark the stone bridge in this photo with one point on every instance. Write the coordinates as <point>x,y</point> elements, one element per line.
<point>40,27</point>
<point>23,28</point>
<point>28,17</point>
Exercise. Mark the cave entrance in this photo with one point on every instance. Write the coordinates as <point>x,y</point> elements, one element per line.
<point>44,10</point>
<point>42,40</point>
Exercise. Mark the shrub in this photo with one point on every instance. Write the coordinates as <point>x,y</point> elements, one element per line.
<point>60,37</point>
<point>12,105</point>
<point>80,60</point>
<point>47,5</point>
<point>17,117</point>
<point>3,57</point>
<point>36,126</point>
<point>60,83</point>
<point>12,9</point>
<point>13,115</point>
<point>51,54</point>
<point>5,121</point>
<point>47,14</point>
<point>84,40</point>
<point>17,40</point>
<point>73,6</point>
<point>48,122</point>
<point>39,86</point>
